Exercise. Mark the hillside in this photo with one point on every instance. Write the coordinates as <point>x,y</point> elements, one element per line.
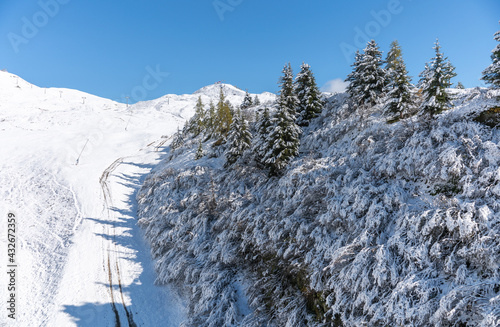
<point>374,224</point>
<point>82,259</point>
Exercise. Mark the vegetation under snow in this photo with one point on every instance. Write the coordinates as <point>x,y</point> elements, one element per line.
<point>373,224</point>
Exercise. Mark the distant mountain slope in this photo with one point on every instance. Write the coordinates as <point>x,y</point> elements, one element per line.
<point>182,106</point>
<point>374,224</point>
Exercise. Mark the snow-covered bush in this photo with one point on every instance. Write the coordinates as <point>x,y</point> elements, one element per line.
<point>385,225</point>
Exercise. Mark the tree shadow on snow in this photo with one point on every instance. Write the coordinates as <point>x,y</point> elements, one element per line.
<point>150,304</point>
<point>91,314</point>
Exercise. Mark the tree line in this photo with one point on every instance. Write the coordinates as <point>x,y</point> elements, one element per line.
<point>274,137</point>
<point>374,81</point>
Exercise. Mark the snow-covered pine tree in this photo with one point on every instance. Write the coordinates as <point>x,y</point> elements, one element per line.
<point>239,138</point>
<point>177,139</point>
<point>210,119</point>
<point>460,86</point>
<point>199,152</point>
<point>247,101</point>
<point>231,108</point>
<point>256,101</point>
<point>260,143</point>
<point>434,81</point>
<point>196,123</point>
<point>309,103</point>
<point>372,75</point>
<point>224,116</point>
<point>398,88</point>
<point>491,75</point>
<point>354,80</point>
<point>283,142</point>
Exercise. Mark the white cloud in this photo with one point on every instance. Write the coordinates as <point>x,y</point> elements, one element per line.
<point>335,86</point>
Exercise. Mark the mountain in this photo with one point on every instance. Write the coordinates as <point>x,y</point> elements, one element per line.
<point>374,224</point>
<point>182,106</point>
<point>70,165</point>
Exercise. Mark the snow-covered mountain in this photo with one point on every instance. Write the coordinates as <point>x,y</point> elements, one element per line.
<point>184,104</point>
<point>70,164</point>
<point>374,224</point>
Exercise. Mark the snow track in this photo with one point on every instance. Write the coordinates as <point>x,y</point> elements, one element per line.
<point>116,269</point>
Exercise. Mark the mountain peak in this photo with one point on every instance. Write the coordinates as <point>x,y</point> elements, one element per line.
<point>214,89</point>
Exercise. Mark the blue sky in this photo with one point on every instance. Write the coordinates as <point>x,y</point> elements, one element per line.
<point>148,48</point>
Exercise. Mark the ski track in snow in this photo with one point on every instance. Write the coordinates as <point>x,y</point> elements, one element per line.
<point>82,259</point>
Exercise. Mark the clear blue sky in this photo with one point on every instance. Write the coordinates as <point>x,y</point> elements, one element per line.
<point>105,47</point>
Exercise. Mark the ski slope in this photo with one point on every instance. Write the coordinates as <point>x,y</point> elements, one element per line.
<point>70,165</point>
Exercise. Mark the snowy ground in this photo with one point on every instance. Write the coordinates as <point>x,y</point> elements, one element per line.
<point>82,260</point>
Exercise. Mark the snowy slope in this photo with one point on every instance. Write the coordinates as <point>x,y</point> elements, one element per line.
<point>184,103</point>
<point>81,257</point>
<point>374,224</point>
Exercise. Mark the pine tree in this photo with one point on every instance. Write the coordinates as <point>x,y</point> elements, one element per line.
<point>224,116</point>
<point>247,101</point>
<point>434,80</point>
<point>197,122</point>
<point>199,152</point>
<point>354,79</point>
<point>460,86</point>
<point>309,103</point>
<point>491,75</point>
<point>177,140</point>
<point>239,138</point>
<point>398,89</point>
<point>210,120</point>
<point>256,101</point>
<point>230,107</point>
<point>283,142</point>
<point>372,75</point>
<point>260,143</point>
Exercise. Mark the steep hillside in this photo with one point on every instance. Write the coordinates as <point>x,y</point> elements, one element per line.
<point>70,164</point>
<point>374,224</point>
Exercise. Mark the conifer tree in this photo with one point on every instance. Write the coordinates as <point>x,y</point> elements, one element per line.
<point>309,102</point>
<point>460,86</point>
<point>260,144</point>
<point>491,75</point>
<point>177,140</point>
<point>256,101</point>
<point>199,152</point>
<point>230,107</point>
<point>196,123</point>
<point>247,101</point>
<point>354,79</point>
<point>224,116</point>
<point>239,138</point>
<point>283,142</point>
<point>434,80</point>
<point>398,89</point>
<point>210,120</point>
<point>372,75</point>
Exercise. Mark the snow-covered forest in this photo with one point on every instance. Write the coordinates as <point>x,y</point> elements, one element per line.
<point>374,207</point>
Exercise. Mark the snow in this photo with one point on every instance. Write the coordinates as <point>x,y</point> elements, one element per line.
<point>373,223</point>
<point>82,259</point>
